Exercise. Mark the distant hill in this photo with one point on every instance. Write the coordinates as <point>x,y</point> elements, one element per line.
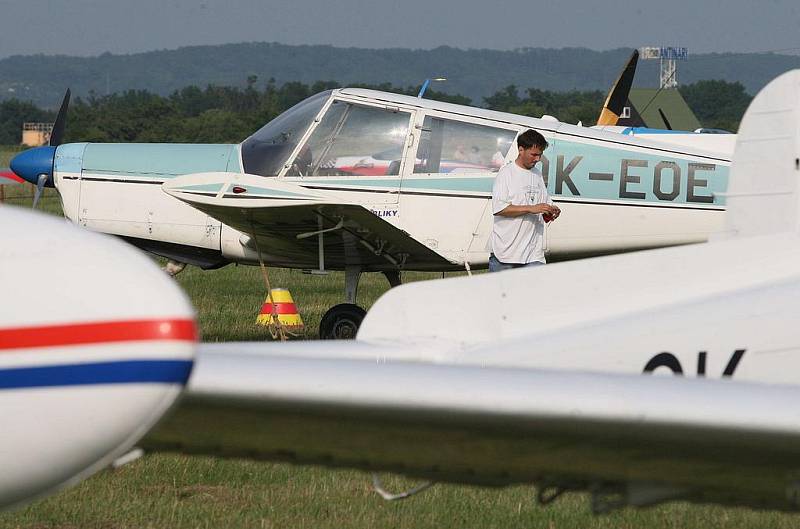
<point>473,73</point>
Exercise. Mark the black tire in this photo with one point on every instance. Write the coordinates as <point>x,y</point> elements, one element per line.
<point>341,322</point>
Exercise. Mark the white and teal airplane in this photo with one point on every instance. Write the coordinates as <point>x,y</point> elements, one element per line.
<point>642,378</point>
<point>368,181</point>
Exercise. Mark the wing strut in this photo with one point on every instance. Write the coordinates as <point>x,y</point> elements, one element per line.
<point>321,247</point>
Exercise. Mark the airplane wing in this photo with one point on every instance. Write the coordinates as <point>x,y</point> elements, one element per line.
<point>630,440</point>
<point>299,221</point>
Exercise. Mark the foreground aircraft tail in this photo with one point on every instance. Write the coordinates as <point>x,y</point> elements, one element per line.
<point>615,102</point>
<point>764,192</point>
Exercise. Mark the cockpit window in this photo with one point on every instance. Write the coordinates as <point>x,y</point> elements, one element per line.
<point>354,140</point>
<point>448,146</point>
<point>265,152</point>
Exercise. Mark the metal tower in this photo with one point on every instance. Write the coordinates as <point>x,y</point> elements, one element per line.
<point>667,56</point>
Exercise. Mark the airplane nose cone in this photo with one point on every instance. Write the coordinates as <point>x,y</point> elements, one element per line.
<point>34,162</point>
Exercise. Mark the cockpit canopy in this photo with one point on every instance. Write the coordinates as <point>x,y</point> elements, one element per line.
<point>265,152</point>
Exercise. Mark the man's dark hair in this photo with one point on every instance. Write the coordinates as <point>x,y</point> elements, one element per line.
<point>531,138</point>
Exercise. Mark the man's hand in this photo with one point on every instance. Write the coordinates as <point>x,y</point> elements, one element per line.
<point>544,209</point>
<point>551,214</point>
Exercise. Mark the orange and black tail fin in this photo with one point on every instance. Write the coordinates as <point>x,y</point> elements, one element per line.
<point>612,108</point>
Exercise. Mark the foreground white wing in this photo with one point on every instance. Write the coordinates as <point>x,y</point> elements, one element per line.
<point>629,439</point>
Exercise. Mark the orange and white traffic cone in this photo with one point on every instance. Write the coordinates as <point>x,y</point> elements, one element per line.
<point>285,308</point>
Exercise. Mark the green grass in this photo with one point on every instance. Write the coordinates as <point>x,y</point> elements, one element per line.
<point>176,491</point>
<point>22,195</point>
<point>7,152</point>
<point>173,491</point>
<point>228,300</point>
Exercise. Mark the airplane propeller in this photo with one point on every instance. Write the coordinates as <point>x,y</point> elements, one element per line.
<point>36,165</point>
<point>57,135</point>
<point>37,194</point>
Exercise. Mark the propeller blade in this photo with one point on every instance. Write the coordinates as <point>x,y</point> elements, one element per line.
<point>57,136</point>
<point>39,188</point>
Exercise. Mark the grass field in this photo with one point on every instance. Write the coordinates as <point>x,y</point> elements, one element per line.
<point>6,153</point>
<point>170,491</point>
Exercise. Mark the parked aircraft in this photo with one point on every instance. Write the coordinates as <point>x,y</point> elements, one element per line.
<point>362,180</point>
<point>618,94</point>
<point>712,139</point>
<point>526,376</point>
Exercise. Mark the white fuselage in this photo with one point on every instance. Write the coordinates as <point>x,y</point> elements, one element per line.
<point>90,357</point>
<point>617,192</point>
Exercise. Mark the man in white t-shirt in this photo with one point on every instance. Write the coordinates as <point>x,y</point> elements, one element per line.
<point>521,206</point>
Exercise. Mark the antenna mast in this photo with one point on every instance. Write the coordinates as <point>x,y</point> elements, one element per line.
<point>667,56</point>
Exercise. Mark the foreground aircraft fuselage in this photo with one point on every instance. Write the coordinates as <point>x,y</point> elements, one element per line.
<point>422,169</point>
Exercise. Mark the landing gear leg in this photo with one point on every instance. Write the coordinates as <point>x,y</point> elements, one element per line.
<point>352,275</point>
<point>394,278</point>
<point>342,321</point>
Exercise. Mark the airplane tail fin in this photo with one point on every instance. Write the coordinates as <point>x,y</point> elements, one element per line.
<point>764,191</point>
<point>615,102</point>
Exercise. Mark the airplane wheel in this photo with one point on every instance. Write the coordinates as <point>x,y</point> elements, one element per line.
<point>341,322</point>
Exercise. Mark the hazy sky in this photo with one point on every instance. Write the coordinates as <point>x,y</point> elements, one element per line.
<point>91,27</point>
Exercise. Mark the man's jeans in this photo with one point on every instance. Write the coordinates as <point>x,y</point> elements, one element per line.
<point>497,266</point>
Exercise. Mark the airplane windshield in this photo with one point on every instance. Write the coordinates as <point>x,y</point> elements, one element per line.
<point>265,152</point>
<point>354,140</point>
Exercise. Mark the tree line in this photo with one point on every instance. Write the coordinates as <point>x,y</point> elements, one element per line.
<point>475,73</point>
<point>223,114</point>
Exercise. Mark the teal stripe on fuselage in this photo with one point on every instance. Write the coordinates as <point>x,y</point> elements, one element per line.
<point>433,183</point>
<point>252,190</point>
<point>213,188</point>
<point>369,182</point>
<point>451,183</point>
<point>573,169</point>
<point>159,160</point>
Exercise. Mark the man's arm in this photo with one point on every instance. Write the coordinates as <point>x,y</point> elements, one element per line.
<point>536,209</point>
